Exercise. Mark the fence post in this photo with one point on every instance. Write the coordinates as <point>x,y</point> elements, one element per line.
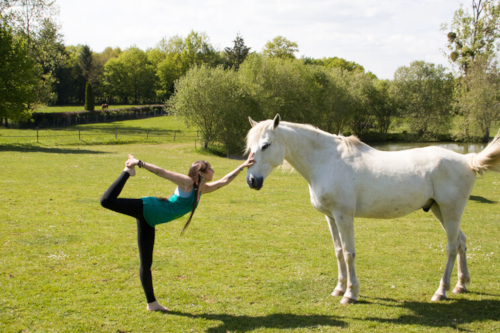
<point>116,133</point>
<point>79,135</point>
<point>174,134</point>
<point>147,134</point>
<point>37,135</point>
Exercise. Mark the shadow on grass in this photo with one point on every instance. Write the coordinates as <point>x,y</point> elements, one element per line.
<point>31,148</point>
<point>481,199</point>
<point>233,323</point>
<point>450,313</point>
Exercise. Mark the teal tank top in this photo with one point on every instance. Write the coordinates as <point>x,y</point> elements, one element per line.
<point>157,211</point>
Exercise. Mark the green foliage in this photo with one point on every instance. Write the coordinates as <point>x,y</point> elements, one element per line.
<point>473,34</point>
<point>89,97</point>
<point>213,100</point>
<point>130,76</point>
<point>280,47</point>
<point>236,56</point>
<point>280,86</point>
<point>477,100</point>
<point>424,94</point>
<point>85,61</point>
<point>335,62</point>
<point>17,73</point>
<point>219,101</point>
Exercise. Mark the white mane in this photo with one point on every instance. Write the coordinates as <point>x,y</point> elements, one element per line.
<point>258,130</point>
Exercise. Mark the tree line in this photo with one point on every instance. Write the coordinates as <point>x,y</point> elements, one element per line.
<point>217,90</point>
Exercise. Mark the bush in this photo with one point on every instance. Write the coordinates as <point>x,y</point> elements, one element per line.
<point>89,97</point>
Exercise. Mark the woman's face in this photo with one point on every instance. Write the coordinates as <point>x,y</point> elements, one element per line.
<point>209,174</point>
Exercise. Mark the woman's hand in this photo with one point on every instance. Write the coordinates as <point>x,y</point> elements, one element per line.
<point>249,162</point>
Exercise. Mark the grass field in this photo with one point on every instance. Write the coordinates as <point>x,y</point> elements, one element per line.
<point>250,262</point>
<point>149,130</point>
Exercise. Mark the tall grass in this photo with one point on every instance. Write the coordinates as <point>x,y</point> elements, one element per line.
<point>250,262</point>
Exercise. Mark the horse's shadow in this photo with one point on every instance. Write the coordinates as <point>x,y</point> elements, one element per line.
<point>448,314</point>
<point>451,313</point>
<point>481,199</point>
<point>234,323</point>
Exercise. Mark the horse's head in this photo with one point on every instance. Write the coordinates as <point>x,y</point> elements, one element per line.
<point>268,151</point>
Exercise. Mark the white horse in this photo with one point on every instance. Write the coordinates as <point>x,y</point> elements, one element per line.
<point>348,179</point>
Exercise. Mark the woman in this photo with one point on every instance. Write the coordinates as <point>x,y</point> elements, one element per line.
<point>150,211</point>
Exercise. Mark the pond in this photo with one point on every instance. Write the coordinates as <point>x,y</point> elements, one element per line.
<point>462,148</point>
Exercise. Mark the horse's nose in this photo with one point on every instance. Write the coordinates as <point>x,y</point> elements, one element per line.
<point>255,182</point>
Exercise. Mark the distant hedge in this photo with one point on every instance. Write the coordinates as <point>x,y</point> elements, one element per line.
<point>56,119</point>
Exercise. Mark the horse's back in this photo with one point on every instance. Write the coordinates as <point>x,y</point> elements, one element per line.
<point>391,184</point>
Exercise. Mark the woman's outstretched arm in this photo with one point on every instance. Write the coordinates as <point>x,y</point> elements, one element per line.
<point>214,186</point>
<point>184,182</point>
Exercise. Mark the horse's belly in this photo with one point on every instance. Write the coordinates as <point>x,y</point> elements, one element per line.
<point>387,208</point>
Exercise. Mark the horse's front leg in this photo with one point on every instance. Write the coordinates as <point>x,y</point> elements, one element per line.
<point>342,268</point>
<point>345,226</point>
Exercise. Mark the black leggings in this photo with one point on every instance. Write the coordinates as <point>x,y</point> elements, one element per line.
<point>145,232</point>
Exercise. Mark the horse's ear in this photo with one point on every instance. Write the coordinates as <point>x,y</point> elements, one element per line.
<point>252,122</point>
<point>276,121</point>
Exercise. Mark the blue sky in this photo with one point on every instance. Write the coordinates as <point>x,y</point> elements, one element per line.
<point>381,35</point>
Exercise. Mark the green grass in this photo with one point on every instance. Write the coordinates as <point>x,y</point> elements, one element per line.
<point>150,130</point>
<point>250,262</point>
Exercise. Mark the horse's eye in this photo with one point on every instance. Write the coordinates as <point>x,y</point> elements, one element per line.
<point>265,146</point>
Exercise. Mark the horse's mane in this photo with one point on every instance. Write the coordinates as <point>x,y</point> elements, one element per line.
<point>253,136</point>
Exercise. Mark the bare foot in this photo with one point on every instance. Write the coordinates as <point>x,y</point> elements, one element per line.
<point>132,161</point>
<point>154,306</point>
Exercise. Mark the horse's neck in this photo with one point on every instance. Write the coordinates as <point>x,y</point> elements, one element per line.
<point>305,149</point>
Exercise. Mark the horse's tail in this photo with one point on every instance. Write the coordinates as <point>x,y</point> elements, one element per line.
<point>488,158</point>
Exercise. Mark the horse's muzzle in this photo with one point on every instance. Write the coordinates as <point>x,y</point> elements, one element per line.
<point>255,182</point>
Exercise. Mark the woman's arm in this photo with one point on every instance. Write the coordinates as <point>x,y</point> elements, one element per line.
<point>184,182</point>
<point>214,186</point>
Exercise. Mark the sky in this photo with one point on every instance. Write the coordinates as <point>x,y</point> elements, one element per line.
<point>380,35</point>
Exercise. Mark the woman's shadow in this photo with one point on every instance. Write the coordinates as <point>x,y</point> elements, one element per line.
<point>233,323</point>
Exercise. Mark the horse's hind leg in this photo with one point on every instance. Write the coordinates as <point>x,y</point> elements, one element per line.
<point>450,221</point>
<point>463,270</point>
<point>342,268</point>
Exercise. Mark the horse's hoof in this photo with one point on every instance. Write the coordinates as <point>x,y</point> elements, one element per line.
<point>438,297</point>
<point>460,290</point>
<point>347,301</point>
<point>337,293</point>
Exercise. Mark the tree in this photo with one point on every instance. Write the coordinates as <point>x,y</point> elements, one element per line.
<point>280,47</point>
<point>473,34</point>
<point>26,16</point>
<point>332,99</point>
<point>16,76</point>
<point>85,62</point>
<point>281,86</point>
<point>130,75</point>
<point>32,20</point>
<point>335,62</point>
<point>89,97</point>
<point>362,94</point>
<point>478,99</point>
<point>213,100</point>
<point>236,55</point>
<point>424,94</point>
